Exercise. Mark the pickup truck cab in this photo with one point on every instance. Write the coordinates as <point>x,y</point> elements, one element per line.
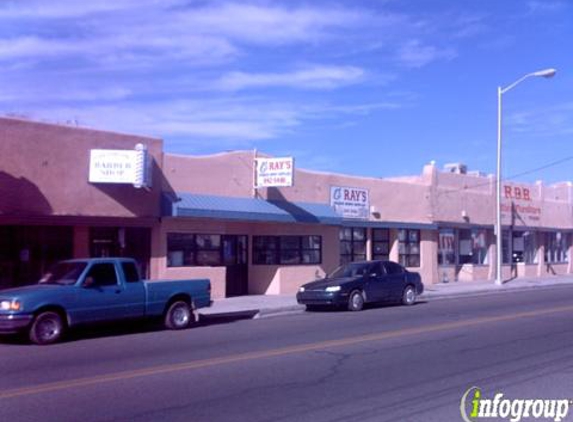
<point>87,291</point>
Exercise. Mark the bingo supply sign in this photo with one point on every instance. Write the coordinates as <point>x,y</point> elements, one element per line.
<point>350,202</point>
<point>274,172</point>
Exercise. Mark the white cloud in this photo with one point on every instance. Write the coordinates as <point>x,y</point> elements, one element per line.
<point>237,120</point>
<point>316,77</point>
<point>551,121</point>
<point>545,6</point>
<point>58,9</point>
<point>271,24</point>
<point>415,54</point>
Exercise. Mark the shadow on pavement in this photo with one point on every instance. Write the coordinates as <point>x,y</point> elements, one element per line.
<point>126,328</point>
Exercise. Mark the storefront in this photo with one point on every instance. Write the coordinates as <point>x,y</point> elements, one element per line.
<point>50,209</point>
<point>202,216</point>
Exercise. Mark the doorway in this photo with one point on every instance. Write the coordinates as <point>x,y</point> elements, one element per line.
<point>235,259</point>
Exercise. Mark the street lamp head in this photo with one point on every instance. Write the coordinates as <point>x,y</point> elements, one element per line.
<point>546,73</point>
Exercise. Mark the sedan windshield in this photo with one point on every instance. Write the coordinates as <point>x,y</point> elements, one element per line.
<point>350,270</point>
<point>64,273</point>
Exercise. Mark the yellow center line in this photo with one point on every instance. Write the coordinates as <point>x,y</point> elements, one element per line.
<point>205,363</point>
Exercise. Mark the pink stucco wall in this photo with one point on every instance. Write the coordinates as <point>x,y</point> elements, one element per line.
<point>44,171</point>
<point>263,279</point>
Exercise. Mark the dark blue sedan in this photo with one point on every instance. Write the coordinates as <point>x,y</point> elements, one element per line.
<point>357,283</point>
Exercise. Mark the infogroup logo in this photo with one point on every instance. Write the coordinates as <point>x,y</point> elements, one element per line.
<point>474,407</point>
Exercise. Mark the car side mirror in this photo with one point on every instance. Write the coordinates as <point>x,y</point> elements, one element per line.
<point>374,275</point>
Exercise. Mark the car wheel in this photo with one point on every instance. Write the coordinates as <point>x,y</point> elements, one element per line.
<point>48,327</point>
<point>355,301</point>
<point>178,315</point>
<point>409,296</point>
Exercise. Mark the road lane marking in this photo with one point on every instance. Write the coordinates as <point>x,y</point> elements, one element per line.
<point>289,350</point>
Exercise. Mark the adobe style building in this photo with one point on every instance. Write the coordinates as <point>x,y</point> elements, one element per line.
<point>74,192</point>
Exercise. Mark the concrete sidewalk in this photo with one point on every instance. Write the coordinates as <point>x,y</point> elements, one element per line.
<point>260,306</point>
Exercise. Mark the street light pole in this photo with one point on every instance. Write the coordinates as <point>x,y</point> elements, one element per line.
<point>546,73</point>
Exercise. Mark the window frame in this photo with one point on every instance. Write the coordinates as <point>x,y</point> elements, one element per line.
<point>303,245</point>
<point>352,241</point>
<point>377,242</point>
<point>408,258</point>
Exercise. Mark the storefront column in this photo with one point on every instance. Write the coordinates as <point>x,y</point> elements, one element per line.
<point>570,257</point>
<point>429,256</point>
<point>394,247</point>
<point>368,244</point>
<point>158,260</point>
<point>492,255</point>
<point>81,242</point>
<point>541,255</point>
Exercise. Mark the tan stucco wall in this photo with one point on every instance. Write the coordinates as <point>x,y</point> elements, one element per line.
<point>44,171</point>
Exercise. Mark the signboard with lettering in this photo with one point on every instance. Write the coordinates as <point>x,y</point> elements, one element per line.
<point>521,204</point>
<point>350,202</point>
<point>274,172</point>
<point>120,166</point>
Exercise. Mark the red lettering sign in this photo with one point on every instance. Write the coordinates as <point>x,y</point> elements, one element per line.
<point>515,192</point>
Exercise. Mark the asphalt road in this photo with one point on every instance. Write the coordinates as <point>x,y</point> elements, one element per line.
<point>383,364</point>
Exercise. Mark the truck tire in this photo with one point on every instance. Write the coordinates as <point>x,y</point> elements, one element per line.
<point>48,327</point>
<point>178,315</point>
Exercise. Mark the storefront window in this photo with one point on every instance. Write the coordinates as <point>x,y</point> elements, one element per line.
<point>352,244</point>
<point>446,247</point>
<point>184,249</point>
<point>287,250</point>
<point>381,244</point>
<point>472,246</point>
<point>524,247</point>
<point>208,250</point>
<point>409,247</point>
<point>556,247</point>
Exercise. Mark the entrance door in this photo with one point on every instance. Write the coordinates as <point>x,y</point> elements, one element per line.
<point>235,259</point>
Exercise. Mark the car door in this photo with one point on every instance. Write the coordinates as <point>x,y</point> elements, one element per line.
<point>375,284</point>
<point>395,279</point>
<point>102,297</point>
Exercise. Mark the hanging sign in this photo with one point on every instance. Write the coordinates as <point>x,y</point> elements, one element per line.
<point>274,172</point>
<point>120,166</point>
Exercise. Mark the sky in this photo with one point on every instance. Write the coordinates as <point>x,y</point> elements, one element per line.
<point>373,88</point>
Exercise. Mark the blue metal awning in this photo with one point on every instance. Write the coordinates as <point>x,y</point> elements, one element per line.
<point>247,209</point>
<point>278,211</point>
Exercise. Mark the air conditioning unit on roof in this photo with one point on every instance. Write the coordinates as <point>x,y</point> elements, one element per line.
<point>458,168</point>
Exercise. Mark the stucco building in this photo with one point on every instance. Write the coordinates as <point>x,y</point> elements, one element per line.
<point>200,216</point>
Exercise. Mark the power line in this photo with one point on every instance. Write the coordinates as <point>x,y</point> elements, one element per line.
<point>514,176</point>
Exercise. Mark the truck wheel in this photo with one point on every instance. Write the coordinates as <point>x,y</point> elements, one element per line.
<point>178,315</point>
<point>48,327</point>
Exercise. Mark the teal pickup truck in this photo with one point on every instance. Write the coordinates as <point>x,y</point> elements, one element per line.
<point>87,291</point>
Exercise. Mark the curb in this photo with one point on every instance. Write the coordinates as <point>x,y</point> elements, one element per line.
<point>266,312</point>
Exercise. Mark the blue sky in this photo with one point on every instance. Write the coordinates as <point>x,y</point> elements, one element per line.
<point>375,88</point>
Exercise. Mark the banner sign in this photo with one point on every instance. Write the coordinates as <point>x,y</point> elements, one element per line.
<point>120,166</point>
<point>350,202</point>
<point>274,172</point>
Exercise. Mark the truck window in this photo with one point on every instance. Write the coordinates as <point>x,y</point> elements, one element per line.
<point>103,274</point>
<point>130,272</point>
